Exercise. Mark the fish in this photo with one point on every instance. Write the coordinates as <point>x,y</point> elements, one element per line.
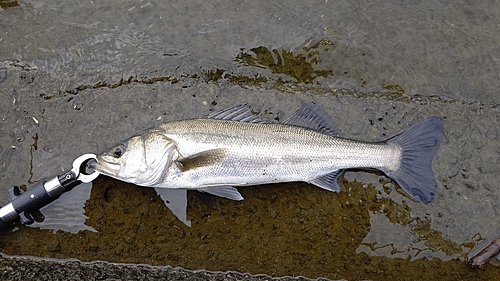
<point>233,148</point>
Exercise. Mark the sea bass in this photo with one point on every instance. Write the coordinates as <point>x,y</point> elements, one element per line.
<point>233,148</point>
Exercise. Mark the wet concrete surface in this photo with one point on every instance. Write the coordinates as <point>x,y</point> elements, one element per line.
<point>115,73</point>
<point>369,231</point>
<point>26,269</point>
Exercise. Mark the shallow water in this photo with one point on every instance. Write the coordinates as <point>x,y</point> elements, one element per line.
<point>287,230</point>
<point>77,78</point>
<point>445,48</point>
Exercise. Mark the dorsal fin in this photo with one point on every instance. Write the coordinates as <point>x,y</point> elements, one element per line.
<point>311,116</point>
<point>241,113</point>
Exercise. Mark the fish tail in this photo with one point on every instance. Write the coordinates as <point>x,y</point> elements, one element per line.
<point>418,146</point>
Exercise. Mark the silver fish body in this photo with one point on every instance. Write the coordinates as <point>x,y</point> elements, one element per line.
<point>242,154</point>
<point>234,148</point>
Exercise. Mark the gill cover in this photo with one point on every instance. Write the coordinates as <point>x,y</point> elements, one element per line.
<point>159,153</point>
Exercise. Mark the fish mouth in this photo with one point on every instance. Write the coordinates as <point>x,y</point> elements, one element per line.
<point>105,167</point>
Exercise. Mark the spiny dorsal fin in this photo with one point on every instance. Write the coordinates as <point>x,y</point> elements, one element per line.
<point>241,113</point>
<point>313,117</point>
<point>202,159</point>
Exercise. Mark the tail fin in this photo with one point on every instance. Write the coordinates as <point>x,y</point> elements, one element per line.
<point>418,144</point>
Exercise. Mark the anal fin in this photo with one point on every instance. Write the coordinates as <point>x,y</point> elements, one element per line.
<point>224,191</point>
<point>329,181</point>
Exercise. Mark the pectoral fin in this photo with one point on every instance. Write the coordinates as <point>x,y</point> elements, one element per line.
<point>202,159</point>
<point>225,191</point>
<point>329,181</point>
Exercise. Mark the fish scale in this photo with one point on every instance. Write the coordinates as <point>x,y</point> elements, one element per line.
<point>282,152</point>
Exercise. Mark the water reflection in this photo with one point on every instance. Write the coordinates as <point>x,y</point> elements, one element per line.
<point>395,233</point>
<point>67,212</point>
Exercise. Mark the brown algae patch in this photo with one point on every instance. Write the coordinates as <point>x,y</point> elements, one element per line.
<point>394,88</point>
<point>287,229</point>
<point>5,4</point>
<point>298,66</point>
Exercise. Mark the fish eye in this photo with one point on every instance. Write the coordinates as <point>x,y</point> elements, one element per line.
<point>118,151</point>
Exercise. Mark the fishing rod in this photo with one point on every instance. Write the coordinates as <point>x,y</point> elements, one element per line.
<point>23,204</point>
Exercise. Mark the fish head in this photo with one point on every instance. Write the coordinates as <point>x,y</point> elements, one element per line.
<point>141,159</point>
